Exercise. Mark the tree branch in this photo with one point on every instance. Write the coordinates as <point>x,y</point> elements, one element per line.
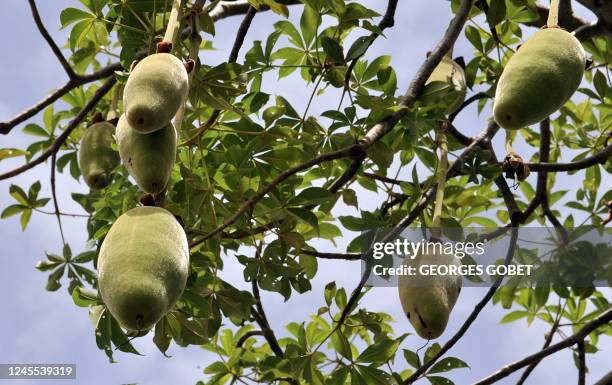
<point>77,81</point>
<point>467,102</point>
<point>472,317</point>
<point>605,380</point>
<point>248,335</point>
<point>325,255</point>
<point>54,148</point>
<point>43,31</point>
<point>580,335</point>
<point>239,7</point>
<point>601,158</point>
<point>262,320</point>
<point>581,363</point>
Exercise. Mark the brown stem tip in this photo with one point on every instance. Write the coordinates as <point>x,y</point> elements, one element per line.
<point>180,220</point>
<point>97,118</point>
<point>164,47</point>
<point>189,65</point>
<point>133,65</point>
<point>147,200</point>
<point>515,166</point>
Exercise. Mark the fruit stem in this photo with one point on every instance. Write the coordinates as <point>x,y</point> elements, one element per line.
<point>553,14</point>
<point>436,232</point>
<point>174,23</point>
<point>510,135</point>
<point>112,109</point>
<point>194,50</point>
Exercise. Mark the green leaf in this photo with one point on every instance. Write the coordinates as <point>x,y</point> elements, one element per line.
<point>36,130</point>
<point>359,47</point>
<point>380,352</point>
<point>412,358</point>
<point>332,49</point>
<point>309,22</point>
<point>448,364</point>
<point>12,210</point>
<point>305,215</point>
<point>513,316</point>
<point>19,195</point>
<point>6,153</point>
<point>311,196</point>
<point>25,218</point>
<point>71,15</point>
<point>434,380</point>
<point>497,12</point>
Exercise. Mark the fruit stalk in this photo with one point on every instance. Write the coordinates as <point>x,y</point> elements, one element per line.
<point>112,110</point>
<point>174,23</point>
<point>436,232</point>
<point>553,14</point>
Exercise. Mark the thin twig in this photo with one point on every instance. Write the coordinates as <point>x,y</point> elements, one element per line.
<point>581,363</point>
<point>248,335</point>
<point>467,102</point>
<point>54,195</point>
<point>54,148</point>
<point>326,255</point>
<point>602,319</point>
<point>387,21</point>
<point>260,317</point>
<point>599,158</point>
<point>43,31</point>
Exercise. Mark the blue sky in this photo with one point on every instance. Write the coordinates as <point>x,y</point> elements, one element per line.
<point>37,326</point>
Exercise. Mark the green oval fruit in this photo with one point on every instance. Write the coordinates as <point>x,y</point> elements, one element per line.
<point>428,300</point>
<point>451,73</point>
<point>540,77</point>
<point>149,158</point>
<point>154,91</point>
<point>143,266</point>
<point>96,157</point>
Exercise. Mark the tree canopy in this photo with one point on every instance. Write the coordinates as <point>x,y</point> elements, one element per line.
<point>262,179</point>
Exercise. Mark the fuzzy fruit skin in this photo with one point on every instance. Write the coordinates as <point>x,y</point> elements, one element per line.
<point>149,158</point>
<point>450,72</point>
<point>154,91</point>
<point>143,266</point>
<point>428,300</point>
<point>96,157</point>
<point>540,77</point>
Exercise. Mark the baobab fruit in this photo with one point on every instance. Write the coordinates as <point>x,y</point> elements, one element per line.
<point>451,73</point>
<point>156,88</point>
<point>149,158</point>
<point>143,266</point>
<point>97,159</point>
<point>541,76</point>
<point>427,300</point>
